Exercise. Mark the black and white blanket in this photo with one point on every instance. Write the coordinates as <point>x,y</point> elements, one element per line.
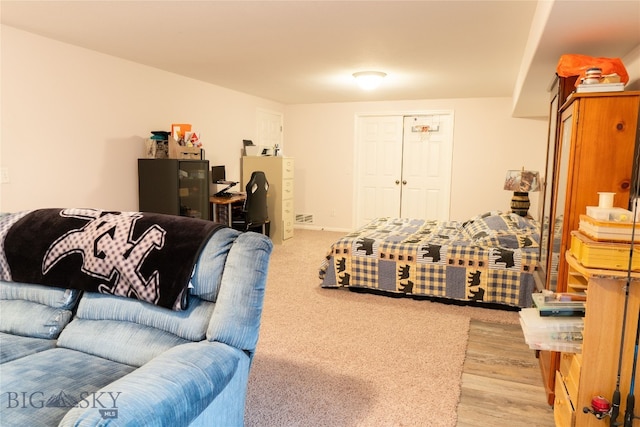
<point>145,256</point>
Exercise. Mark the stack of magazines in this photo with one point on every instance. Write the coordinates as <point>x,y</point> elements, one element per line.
<point>560,304</point>
<point>600,87</point>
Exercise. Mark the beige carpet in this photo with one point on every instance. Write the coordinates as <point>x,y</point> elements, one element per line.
<point>331,357</point>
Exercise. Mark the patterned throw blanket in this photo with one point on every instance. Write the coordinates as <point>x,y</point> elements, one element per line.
<point>138,255</point>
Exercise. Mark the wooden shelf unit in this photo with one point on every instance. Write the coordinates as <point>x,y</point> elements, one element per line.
<point>594,372</point>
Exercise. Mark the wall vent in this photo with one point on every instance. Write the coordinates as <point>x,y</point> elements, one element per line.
<point>304,218</point>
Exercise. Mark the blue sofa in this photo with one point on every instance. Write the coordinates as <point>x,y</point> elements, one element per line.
<point>78,358</point>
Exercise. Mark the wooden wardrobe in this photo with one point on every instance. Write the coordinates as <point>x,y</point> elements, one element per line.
<point>592,151</point>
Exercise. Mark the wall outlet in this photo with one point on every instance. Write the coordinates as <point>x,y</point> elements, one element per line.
<point>4,175</point>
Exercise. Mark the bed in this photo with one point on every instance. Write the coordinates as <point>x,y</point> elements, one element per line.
<point>488,259</point>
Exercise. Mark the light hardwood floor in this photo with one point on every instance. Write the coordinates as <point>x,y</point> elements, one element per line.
<point>501,380</point>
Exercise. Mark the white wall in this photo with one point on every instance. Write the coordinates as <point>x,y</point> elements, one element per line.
<point>74,122</point>
<point>487,142</point>
<point>631,62</point>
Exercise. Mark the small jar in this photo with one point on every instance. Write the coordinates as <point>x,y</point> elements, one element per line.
<point>593,76</point>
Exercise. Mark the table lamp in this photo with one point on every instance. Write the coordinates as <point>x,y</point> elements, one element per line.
<point>521,182</point>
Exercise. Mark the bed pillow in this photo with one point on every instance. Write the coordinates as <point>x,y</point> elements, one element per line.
<point>507,239</point>
<point>498,221</point>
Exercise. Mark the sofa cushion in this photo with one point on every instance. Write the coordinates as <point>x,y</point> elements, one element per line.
<point>174,388</point>
<point>15,346</point>
<point>31,319</point>
<point>35,311</point>
<point>122,342</point>
<point>53,297</point>
<point>38,389</point>
<point>207,274</point>
<point>135,331</point>
<point>190,324</point>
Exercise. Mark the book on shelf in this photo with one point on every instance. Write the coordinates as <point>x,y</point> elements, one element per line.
<point>600,87</point>
<point>564,298</point>
<point>560,304</point>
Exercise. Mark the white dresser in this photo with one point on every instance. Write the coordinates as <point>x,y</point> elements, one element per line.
<point>279,173</point>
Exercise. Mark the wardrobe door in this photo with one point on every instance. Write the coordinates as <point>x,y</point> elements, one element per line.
<point>560,198</point>
<point>545,216</point>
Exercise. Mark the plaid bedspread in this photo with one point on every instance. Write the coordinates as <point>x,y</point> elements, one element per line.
<point>489,258</point>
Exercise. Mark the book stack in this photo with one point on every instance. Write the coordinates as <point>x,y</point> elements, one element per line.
<point>560,304</point>
<point>599,87</point>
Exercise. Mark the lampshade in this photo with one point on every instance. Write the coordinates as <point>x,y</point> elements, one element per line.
<point>369,80</point>
<point>522,181</point>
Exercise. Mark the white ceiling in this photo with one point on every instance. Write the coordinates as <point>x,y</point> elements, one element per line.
<point>297,52</point>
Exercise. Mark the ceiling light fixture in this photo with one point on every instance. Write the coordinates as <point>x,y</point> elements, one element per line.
<point>369,80</point>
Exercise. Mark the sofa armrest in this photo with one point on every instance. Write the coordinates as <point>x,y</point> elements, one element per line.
<point>238,312</point>
<point>171,389</point>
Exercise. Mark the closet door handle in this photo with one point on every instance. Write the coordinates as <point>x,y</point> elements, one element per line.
<point>397,181</point>
<point>404,182</point>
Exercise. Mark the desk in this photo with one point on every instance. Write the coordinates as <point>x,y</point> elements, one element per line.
<point>218,205</point>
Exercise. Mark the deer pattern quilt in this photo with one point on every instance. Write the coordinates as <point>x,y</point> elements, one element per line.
<point>488,259</point>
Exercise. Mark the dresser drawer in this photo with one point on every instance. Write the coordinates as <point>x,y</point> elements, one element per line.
<point>287,189</point>
<point>572,377</point>
<point>287,168</point>
<point>287,230</point>
<point>570,364</point>
<point>566,359</point>
<point>288,218</point>
<point>563,411</point>
<point>287,208</point>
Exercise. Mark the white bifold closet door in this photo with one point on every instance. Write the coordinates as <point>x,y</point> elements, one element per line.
<point>404,166</point>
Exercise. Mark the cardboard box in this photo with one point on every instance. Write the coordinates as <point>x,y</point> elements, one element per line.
<point>177,151</point>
